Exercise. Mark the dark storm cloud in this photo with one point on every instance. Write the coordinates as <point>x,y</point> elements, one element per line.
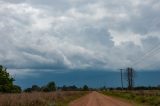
<point>69,34</point>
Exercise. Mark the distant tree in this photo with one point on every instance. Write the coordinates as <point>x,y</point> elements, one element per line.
<point>103,88</point>
<point>64,88</point>
<point>158,87</point>
<point>35,88</point>
<point>6,82</point>
<point>85,88</point>
<point>16,89</point>
<point>69,88</point>
<point>73,88</point>
<point>28,90</point>
<point>44,89</point>
<point>51,86</point>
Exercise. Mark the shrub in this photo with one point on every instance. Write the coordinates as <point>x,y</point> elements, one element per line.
<point>6,82</point>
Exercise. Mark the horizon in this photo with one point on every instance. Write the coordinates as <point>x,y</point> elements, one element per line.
<point>94,79</point>
<point>58,36</point>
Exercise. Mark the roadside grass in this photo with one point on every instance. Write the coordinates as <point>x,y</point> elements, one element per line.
<point>140,98</point>
<point>66,101</point>
<point>60,98</point>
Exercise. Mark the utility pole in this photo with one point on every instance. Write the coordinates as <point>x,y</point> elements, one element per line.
<point>122,77</point>
<point>130,77</point>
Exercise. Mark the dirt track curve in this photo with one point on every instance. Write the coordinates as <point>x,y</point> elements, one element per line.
<point>97,99</point>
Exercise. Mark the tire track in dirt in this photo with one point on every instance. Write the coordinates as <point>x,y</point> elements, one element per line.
<point>97,99</point>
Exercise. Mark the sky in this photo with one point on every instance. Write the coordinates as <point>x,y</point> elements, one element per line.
<point>67,35</point>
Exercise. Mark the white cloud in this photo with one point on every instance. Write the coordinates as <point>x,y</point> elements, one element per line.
<point>120,37</point>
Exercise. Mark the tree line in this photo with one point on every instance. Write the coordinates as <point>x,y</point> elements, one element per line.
<point>52,87</point>
<point>7,85</point>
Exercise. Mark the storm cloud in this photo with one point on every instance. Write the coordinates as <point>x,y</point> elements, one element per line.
<point>79,34</point>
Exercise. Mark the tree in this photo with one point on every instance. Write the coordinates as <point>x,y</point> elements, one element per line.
<point>85,88</point>
<point>51,86</point>
<point>44,89</point>
<point>16,89</point>
<point>64,88</point>
<point>6,81</point>
<point>28,90</point>
<point>103,88</point>
<point>35,88</point>
<point>69,88</point>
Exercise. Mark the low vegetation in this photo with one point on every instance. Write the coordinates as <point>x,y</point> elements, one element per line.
<point>144,97</point>
<point>51,86</point>
<point>59,98</point>
<point>6,82</point>
<point>47,95</point>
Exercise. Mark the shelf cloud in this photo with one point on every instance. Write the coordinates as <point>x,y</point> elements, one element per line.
<point>79,34</point>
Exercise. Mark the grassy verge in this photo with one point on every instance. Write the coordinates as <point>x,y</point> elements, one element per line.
<point>66,100</point>
<point>141,98</point>
<point>61,98</point>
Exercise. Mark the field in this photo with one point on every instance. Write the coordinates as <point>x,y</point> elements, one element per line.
<point>40,98</point>
<point>141,97</point>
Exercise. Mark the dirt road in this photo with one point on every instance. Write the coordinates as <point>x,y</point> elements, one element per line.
<point>97,99</point>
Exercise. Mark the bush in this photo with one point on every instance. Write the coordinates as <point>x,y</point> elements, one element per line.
<point>6,82</point>
<point>85,88</point>
<point>28,90</point>
<point>51,86</point>
<point>16,89</point>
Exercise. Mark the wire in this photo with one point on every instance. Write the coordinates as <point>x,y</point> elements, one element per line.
<point>151,64</point>
<point>148,54</point>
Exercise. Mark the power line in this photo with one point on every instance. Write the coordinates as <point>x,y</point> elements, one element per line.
<point>150,53</point>
<point>147,56</point>
<point>151,64</point>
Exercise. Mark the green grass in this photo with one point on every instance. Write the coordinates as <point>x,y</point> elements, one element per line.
<point>139,98</point>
